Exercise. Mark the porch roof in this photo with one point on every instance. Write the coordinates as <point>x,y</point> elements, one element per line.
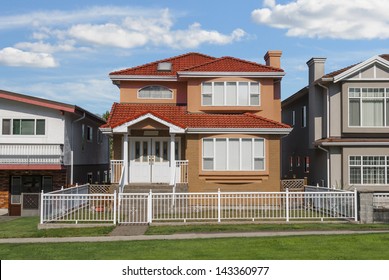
<point>122,113</point>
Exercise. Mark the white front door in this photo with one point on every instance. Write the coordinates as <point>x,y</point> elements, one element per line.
<point>150,160</point>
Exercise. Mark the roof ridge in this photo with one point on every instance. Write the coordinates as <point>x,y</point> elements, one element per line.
<point>161,60</point>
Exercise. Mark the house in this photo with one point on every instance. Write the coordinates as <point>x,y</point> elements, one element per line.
<point>340,122</point>
<point>200,120</point>
<point>45,145</point>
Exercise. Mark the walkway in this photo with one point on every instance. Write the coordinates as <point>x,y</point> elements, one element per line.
<point>181,236</point>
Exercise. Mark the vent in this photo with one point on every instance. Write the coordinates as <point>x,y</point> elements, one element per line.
<point>164,66</point>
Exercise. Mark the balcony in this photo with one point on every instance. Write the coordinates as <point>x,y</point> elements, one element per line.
<point>31,154</point>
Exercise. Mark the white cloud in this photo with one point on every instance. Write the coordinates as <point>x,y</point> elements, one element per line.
<point>346,19</point>
<point>43,47</point>
<point>16,57</point>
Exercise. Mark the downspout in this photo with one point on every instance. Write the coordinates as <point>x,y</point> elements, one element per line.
<point>72,148</point>
<point>328,164</point>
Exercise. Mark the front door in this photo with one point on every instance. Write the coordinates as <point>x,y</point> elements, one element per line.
<point>150,160</point>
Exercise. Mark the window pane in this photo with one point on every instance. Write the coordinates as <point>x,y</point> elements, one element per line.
<point>207,99</point>
<point>208,148</point>
<point>221,154</point>
<point>243,93</point>
<point>259,164</point>
<point>254,88</point>
<point>207,88</point>
<point>231,94</point>
<point>40,127</point>
<point>27,127</point>
<point>387,112</point>
<point>16,127</point>
<point>233,154</point>
<point>165,151</point>
<point>6,130</point>
<point>247,155</point>
<point>156,92</point>
<point>355,175</point>
<point>47,184</point>
<point>254,100</point>
<point>354,112</point>
<point>373,112</point>
<point>258,148</point>
<point>219,94</point>
<point>208,163</point>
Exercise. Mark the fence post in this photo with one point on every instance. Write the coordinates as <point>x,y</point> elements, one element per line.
<point>287,203</point>
<point>41,207</point>
<point>355,205</point>
<point>218,206</point>
<point>150,207</point>
<point>114,207</point>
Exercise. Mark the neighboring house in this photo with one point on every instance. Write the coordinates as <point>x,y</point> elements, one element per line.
<point>341,127</point>
<point>216,121</point>
<point>45,145</point>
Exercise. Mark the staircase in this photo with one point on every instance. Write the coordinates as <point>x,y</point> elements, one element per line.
<point>156,188</point>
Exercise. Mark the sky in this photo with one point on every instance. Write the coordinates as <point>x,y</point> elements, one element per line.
<point>64,50</point>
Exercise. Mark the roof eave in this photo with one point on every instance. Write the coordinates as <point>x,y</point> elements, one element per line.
<point>142,78</point>
<point>279,131</point>
<point>189,74</point>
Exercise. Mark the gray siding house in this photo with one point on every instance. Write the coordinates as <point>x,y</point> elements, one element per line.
<point>340,136</point>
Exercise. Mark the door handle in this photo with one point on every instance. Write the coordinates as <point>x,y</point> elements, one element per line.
<point>151,160</point>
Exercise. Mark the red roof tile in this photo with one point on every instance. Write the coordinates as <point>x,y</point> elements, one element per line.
<point>232,64</point>
<point>178,63</point>
<point>178,115</point>
<point>193,62</point>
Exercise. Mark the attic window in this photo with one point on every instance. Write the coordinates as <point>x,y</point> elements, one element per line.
<point>164,66</point>
<point>155,92</point>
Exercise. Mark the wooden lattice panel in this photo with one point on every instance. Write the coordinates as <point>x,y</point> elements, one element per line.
<point>101,189</point>
<point>292,185</point>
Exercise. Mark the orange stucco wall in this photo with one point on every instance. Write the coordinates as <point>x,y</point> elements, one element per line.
<point>129,92</point>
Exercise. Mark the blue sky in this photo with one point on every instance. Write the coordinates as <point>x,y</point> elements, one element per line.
<point>64,50</point>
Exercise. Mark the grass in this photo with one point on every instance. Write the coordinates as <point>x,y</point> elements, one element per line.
<point>27,227</point>
<point>334,247</point>
<point>166,230</point>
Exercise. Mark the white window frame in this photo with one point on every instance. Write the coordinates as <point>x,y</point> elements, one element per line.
<point>212,94</point>
<point>155,86</point>
<point>253,157</point>
<point>362,166</point>
<point>21,119</point>
<point>385,98</point>
<point>89,133</point>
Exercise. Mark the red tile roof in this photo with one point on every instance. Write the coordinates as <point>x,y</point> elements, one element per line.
<point>178,115</point>
<point>232,64</point>
<point>193,62</point>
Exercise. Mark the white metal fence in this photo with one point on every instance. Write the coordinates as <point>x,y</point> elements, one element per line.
<point>78,205</point>
<point>130,208</point>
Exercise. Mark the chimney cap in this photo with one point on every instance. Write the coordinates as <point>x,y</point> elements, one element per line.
<point>316,60</point>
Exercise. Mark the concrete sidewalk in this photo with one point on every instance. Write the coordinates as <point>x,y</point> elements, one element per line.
<point>182,236</point>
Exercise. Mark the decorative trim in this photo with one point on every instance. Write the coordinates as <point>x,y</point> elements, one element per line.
<point>231,74</point>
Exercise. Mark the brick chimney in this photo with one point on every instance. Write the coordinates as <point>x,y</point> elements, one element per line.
<point>272,58</point>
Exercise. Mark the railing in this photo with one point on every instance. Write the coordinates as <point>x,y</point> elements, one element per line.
<point>31,154</point>
<point>381,201</point>
<point>181,172</point>
<point>116,171</point>
<point>148,208</point>
<point>78,205</point>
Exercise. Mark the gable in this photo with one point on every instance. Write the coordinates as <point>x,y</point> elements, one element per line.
<point>375,68</point>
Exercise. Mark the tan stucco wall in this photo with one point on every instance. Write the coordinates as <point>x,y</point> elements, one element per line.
<point>199,181</point>
<point>129,92</point>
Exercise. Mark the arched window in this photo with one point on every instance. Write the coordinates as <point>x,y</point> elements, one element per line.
<point>155,92</point>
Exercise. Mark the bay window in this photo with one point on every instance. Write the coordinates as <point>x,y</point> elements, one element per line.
<point>368,107</point>
<point>369,170</point>
<point>233,154</point>
<point>230,94</point>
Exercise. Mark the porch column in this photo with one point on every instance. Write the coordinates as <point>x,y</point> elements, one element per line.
<point>172,158</point>
<point>125,158</point>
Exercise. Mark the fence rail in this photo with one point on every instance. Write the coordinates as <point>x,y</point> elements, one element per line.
<point>132,208</point>
<point>31,154</point>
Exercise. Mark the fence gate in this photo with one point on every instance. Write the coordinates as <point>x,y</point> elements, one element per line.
<point>134,208</point>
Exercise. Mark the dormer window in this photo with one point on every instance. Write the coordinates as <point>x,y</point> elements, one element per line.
<point>155,92</point>
<point>164,66</point>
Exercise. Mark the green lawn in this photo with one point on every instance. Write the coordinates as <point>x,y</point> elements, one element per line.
<point>336,247</point>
